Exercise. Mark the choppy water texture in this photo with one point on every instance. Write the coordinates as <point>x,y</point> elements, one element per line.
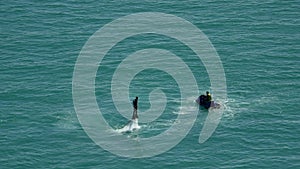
<point>258,43</point>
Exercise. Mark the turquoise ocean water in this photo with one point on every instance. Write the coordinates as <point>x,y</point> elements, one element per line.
<point>258,43</point>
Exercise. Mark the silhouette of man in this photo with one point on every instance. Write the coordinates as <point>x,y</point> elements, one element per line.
<point>135,107</point>
<point>208,96</point>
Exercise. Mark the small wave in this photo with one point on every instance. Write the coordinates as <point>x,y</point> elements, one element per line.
<point>67,120</point>
<point>232,107</point>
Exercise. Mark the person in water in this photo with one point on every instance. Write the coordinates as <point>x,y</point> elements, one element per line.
<point>208,96</point>
<point>135,107</point>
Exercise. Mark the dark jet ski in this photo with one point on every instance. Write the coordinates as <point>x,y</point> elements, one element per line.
<point>204,101</point>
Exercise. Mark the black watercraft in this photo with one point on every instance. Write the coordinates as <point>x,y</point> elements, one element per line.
<point>204,101</point>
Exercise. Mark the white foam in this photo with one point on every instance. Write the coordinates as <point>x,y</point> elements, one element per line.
<point>132,125</point>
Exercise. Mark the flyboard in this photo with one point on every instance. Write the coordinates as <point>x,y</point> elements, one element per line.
<point>130,126</point>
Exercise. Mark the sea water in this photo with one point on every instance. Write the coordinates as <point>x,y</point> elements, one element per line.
<point>258,43</point>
